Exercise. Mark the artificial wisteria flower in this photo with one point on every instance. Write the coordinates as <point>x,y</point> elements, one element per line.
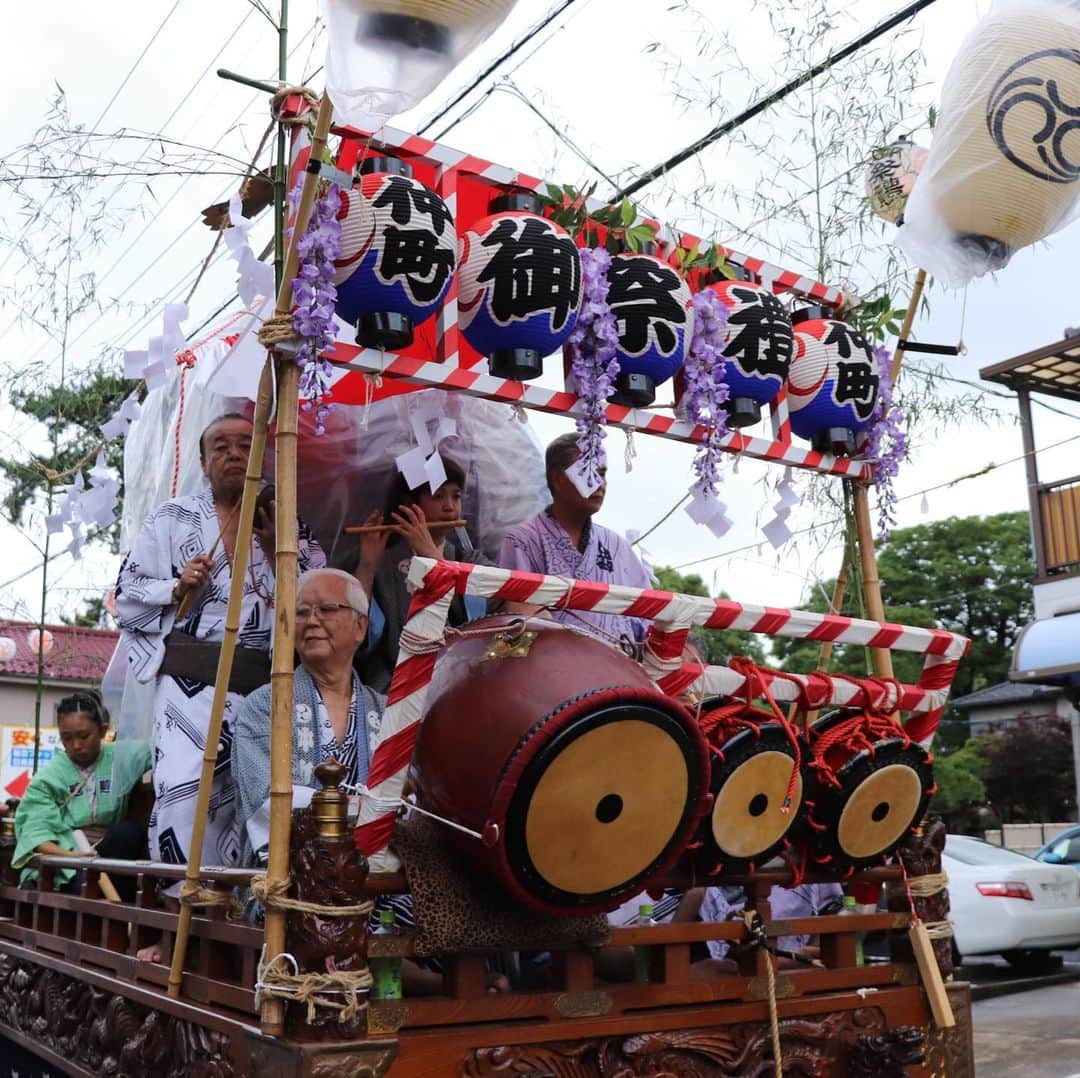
<point>314,295</point>
<point>887,443</point>
<point>592,346</point>
<point>706,389</point>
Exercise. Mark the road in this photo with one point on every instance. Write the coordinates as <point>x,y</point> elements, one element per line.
<point>1035,1034</point>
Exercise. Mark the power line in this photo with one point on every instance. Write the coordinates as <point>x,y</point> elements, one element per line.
<point>497,63</point>
<point>764,103</point>
<point>991,467</point>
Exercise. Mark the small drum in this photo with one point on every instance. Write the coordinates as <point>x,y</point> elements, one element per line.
<point>751,776</point>
<point>880,793</point>
<point>584,781</point>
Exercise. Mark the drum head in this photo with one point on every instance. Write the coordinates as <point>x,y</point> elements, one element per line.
<point>603,804</point>
<point>749,784</point>
<point>881,798</point>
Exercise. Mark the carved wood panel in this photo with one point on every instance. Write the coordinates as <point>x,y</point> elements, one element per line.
<point>811,1047</point>
<point>105,1033</point>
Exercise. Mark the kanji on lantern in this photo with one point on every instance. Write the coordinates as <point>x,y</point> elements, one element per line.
<point>520,289</point>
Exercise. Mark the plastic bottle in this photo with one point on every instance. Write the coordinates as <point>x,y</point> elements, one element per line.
<point>385,972</point>
<point>643,950</point>
<point>850,910</point>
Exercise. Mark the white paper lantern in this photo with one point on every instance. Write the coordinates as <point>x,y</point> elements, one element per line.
<point>7,649</point>
<point>384,56</point>
<point>43,640</point>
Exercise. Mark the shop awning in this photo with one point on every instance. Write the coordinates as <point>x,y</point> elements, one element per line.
<point>1048,652</point>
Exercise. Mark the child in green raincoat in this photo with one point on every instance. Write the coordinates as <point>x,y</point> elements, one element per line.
<point>85,786</point>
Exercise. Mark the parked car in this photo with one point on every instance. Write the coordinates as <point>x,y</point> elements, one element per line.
<point>1007,903</point>
<point>1063,850</point>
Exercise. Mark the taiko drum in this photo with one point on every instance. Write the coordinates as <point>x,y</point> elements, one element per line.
<point>584,781</point>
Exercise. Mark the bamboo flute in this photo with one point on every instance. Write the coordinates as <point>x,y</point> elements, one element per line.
<point>252,478</point>
<point>281,676</point>
<point>370,529</point>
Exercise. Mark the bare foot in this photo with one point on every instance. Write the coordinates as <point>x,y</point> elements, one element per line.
<point>156,952</point>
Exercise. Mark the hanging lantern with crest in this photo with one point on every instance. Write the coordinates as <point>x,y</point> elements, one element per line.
<point>519,286</point>
<point>832,385</point>
<point>397,253</point>
<point>1003,170</point>
<point>384,56</point>
<point>653,309</point>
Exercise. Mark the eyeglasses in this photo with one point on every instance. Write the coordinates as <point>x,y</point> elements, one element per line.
<point>324,610</point>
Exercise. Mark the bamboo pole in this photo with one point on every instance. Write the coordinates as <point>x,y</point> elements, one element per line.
<point>860,498</point>
<point>252,478</point>
<point>281,676</point>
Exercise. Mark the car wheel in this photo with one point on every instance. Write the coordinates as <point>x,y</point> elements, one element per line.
<point>1031,963</point>
<point>957,957</point>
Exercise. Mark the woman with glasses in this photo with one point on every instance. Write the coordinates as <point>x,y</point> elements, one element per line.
<point>86,785</point>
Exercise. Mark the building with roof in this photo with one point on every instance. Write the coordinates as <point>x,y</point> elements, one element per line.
<point>77,659</point>
<point>997,706</point>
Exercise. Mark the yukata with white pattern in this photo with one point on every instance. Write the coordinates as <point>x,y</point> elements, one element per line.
<point>176,532</point>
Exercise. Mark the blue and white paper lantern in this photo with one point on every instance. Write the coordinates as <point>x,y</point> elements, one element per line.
<point>832,384</point>
<point>398,255</point>
<point>652,307</point>
<point>519,290</point>
<point>758,350</point>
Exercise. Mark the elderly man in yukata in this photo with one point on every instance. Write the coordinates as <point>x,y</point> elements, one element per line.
<point>187,546</point>
<point>564,540</point>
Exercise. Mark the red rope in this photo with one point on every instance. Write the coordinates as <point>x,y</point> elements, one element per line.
<point>185,360</point>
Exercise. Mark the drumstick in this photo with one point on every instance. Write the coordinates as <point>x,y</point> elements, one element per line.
<point>189,596</point>
<point>366,529</point>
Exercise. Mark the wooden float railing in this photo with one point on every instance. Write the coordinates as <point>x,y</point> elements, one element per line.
<point>221,969</point>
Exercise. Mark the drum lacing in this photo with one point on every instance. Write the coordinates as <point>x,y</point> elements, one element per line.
<point>417,644</point>
<point>755,685</point>
<point>860,733</point>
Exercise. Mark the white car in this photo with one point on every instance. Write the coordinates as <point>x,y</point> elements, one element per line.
<point>1006,903</point>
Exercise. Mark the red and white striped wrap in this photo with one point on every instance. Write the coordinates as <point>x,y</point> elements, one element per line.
<point>361,361</point>
<point>420,641</point>
<point>674,615</point>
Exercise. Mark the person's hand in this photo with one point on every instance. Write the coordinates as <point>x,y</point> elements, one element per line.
<point>263,527</point>
<point>372,544</point>
<point>412,525</point>
<point>194,575</point>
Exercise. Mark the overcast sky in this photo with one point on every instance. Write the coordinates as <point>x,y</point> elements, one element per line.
<point>604,75</point>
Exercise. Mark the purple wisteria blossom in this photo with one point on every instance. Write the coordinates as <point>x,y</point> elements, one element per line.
<point>314,296</point>
<point>706,389</point>
<point>887,444</point>
<point>592,347</point>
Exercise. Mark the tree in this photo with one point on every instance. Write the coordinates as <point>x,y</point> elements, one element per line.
<point>720,644</point>
<point>72,413</point>
<point>961,792</point>
<point>94,615</point>
<point>1029,771</point>
<point>970,575</point>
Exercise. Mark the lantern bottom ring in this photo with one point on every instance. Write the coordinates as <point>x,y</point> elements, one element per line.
<point>384,329</point>
<point>517,364</point>
<point>839,441</point>
<point>408,30</point>
<point>993,252</point>
<point>742,412</point>
<point>633,390</point>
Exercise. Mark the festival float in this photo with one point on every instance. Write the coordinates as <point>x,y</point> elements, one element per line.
<point>527,779</point>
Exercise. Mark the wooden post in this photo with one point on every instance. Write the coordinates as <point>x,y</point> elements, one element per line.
<point>252,478</point>
<point>281,676</point>
<point>860,498</point>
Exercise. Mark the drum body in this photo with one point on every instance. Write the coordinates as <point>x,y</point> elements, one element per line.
<point>882,795</point>
<point>751,774</point>
<point>584,780</point>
